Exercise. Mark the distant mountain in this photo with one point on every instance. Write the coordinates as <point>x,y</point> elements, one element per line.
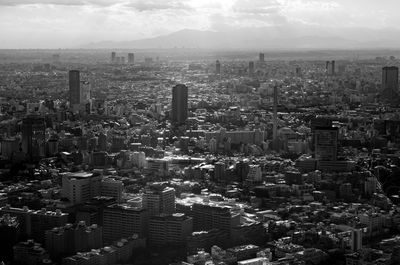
<point>265,38</point>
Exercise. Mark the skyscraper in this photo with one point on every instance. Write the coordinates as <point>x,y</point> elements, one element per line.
<point>74,88</point>
<point>326,142</point>
<point>131,58</point>
<point>113,54</point>
<point>158,199</point>
<point>251,68</point>
<point>33,137</point>
<point>217,67</point>
<point>390,78</point>
<point>261,57</point>
<point>179,104</point>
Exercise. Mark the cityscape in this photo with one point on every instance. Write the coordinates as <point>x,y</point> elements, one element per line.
<point>191,155</point>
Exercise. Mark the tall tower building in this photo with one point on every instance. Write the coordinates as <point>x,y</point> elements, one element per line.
<point>261,57</point>
<point>390,78</point>
<point>326,143</point>
<point>113,54</point>
<point>131,58</point>
<point>33,137</point>
<point>74,88</point>
<point>275,117</point>
<point>217,67</point>
<point>179,104</point>
<point>158,200</point>
<point>251,68</point>
<point>121,220</point>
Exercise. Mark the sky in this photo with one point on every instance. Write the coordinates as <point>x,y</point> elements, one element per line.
<point>70,23</point>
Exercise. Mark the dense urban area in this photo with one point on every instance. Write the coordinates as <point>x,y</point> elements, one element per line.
<point>126,157</point>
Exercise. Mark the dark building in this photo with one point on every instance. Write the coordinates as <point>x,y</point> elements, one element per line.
<point>390,78</point>
<point>261,57</point>
<point>217,67</point>
<point>251,68</point>
<point>390,82</point>
<point>326,142</point>
<point>113,57</point>
<point>131,58</point>
<point>74,87</point>
<point>179,104</point>
<point>33,137</point>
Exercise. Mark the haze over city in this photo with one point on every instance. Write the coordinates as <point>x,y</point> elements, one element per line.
<point>247,24</point>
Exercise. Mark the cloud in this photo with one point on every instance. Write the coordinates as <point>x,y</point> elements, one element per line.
<point>156,5</point>
<point>58,2</point>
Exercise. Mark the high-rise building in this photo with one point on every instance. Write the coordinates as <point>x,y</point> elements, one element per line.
<point>74,88</point>
<point>112,188</point>
<point>33,137</point>
<point>158,199</point>
<point>217,67</point>
<point>120,220</point>
<point>29,253</point>
<point>170,230</point>
<point>80,187</point>
<point>113,54</point>
<point>251,68</point>
<point>326,142</point>
<point>207,216</point>
<point>261,57</point>
<point>179,104</point>
<point>70,239</point>
<point>131,58</point>
<point>330,67</point>
<point>34,223</point>
<point>390,79</point>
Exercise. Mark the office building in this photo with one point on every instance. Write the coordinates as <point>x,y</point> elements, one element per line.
<point>390,78</point>
<point>121,220</point>
<point>251,68</point>
<point>74,88</point>
<point>167,230</point>
<point>8,230</point>
<point>207,216</point>
<point>179,104</point>
<point>112,188</point>
<point>261,57</point>
<point>113,54</point>
<point>326,143</point>
<point>33,137</point>
<point>32,223</point>
<point>217,67</point>
<point>390,82</point>
<point>80,187</point>
<point>29,253</point>
<point>131,58</point>
<point>158,199</point>
<point>72,238</point>
<point>330,67</point>
<point>120,252</point>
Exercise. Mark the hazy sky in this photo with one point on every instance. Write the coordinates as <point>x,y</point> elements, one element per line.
<point>68,23</point>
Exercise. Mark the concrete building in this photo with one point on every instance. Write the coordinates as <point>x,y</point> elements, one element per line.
<point>179,110</point>
<point>70,239</point>
<point>112,188</point>
<point>326,143</point>
<point>158,199</point>
<point>167,230</point>
<point>207,216</point>
<point>33,137</point>
<point>120,220</point>
<point>34,223</point>
<point>80,187</point>
<point>29,252</point>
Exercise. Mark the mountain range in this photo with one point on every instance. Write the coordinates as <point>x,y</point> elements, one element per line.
<point>264,38</point>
